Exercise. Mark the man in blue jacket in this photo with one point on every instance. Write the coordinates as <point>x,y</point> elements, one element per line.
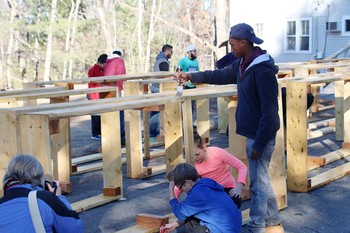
<point>207,207</point>
<point>257,117</point>
<point>23,175</point>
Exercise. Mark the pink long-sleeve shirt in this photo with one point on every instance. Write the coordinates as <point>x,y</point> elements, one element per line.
<point>217,168</point>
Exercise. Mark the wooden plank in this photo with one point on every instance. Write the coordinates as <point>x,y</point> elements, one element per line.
<point>335,155</point>
<point>51,94</point>
<point>30,91</point>
<point>245,217</point>
<point>318,160</point>
<point>93,202</point>
<point>324,123</point>
<point>102,79</point>
<point>97,156</point>
<point>320,132</point>
<point>139,229</point>
<point>156,170</point>
<point>297,172</point>
<point>329,176</point>
<point>151,220</point>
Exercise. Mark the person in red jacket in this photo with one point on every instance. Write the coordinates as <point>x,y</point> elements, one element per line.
<point>96,71</point>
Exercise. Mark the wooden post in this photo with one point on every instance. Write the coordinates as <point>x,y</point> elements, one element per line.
<point>35,139</point>
<point>203,119</point>
<point>111,151</point>
<point>296,137</point>
<point>222,114</point>
<point>10,141</point>
<point>133,135</point>
<point>187,122</point>
<point>339,109</point>
<point>277,169</point>
<point>346,143</point>
<point>61,148</point>
<point>237,143</point>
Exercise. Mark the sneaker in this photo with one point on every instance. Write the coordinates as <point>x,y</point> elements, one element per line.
<point>97,137</point>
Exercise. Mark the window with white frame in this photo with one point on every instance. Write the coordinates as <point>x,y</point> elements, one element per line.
<point>298,36</point>
<point>346,26</point>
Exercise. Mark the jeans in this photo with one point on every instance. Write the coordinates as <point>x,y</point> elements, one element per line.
<point>263,205</point>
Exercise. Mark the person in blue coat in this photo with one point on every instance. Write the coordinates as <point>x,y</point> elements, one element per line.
<point>257,118</point>
<point>24,174</point>
<point>207,207</point>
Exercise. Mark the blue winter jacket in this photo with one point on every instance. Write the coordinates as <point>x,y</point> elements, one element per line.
<point>208,202</point>
<point>55,212</point>
<point>257,111</point>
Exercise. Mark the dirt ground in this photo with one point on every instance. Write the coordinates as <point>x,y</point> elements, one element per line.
<point>322,210</point>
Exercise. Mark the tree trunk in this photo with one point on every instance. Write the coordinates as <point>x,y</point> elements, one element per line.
<point>72,40</point>
<point>139,33</point>
<point>150,37</point>
<point>2,81</point>
<point>50,41</point>
<point>104,24</point>
<point>221,26</point>
<point>67,48</point>
<point>14,11</point>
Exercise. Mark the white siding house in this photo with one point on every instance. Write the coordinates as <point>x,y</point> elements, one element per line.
<point>297,30</point>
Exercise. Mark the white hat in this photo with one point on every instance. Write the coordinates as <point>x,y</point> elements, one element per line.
<point>190,47</point>
<point>118,50</point>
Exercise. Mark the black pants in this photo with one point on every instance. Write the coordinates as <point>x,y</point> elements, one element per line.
<point>192,226</point>
<point>95,125</point>
<point>236,200</point>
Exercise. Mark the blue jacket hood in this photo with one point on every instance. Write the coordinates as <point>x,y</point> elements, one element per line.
<point>161,55</point>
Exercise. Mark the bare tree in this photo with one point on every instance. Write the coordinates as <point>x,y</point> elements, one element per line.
<point>13,13</point>
<point>67,44</point>
<point>48,56</point>
<point>74,26</point>
<point>139,32</point>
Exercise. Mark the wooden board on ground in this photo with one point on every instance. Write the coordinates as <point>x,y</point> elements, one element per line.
<point>92,202</point>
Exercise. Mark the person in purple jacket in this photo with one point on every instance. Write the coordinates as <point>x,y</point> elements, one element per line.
<point>257,118</point>
<point>24,174</point>
<point>207,207</point>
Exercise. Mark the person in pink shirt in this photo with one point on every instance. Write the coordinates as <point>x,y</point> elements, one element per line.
<point>115,66</point>
<point>214,162</point>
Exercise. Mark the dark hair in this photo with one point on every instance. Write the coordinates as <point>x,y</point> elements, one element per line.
<point>166,47</point>
<point>183,172</point>
<point>102,58</point>
<point>197,139</point>
<point>117,52</point>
